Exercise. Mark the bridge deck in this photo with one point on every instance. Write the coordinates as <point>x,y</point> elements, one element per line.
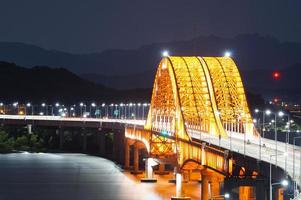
<point>235,141</point>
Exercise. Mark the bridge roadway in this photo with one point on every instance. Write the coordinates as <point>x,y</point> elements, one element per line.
<point>235,142</point>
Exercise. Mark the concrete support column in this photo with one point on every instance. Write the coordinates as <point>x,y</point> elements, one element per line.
<point>149,163</point>
<point>246,193</point>
<point>61,136</point>
<point>84,140</point>
<point>136,157</point>
<point>127,154</point>
<point>101,143</point>
<point>118,146</point>
<point>215,188</point>
<point>205,187</point>
<point>161,168</point>
<point>260,190</point>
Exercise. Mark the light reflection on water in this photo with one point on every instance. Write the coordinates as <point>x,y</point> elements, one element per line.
<point>39,176</point>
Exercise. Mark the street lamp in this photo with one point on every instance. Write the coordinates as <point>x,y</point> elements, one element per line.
<point>281,114</point>
<point>294,143</point>
<point>165,53</point>
<point>227,54</point>
<point>283,182</point>
<point>81,104</point>
<point>268,112</point>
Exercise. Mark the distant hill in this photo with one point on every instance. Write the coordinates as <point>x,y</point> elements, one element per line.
<point>57,84</point>
<point>251,51</point>
<point>256,56</point>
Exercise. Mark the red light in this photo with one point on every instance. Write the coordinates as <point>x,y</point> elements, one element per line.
<point>276,75</point>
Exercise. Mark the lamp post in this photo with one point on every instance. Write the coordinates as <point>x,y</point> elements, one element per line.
<point>268,112</point>
<point>262,128</point>
<point>281,114</point>
<point>92,105</point>
<point>144,105</point>
<point>294,142</point>
<point>283,182</point>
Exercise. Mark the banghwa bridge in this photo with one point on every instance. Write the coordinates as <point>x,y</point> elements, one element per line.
<point>198,120</point>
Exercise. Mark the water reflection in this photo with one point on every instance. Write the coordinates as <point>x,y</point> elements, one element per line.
<point>37,176</point>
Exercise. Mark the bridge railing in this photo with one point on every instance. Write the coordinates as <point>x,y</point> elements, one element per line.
<point>91,110</point>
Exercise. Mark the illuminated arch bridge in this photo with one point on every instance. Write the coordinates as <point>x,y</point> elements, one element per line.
<point>193,96</point>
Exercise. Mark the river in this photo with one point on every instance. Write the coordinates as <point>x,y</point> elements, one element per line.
<point>46,176</point>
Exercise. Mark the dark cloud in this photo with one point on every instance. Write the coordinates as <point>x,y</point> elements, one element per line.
<point>95,25</point>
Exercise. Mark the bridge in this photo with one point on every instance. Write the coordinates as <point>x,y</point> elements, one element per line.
<point>198,118</point>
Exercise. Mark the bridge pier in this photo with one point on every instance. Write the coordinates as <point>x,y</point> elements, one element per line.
<point>149,178</point>
<point>101,143</point>
<point>127,154</point>
<point>179,188</point>
<point>247,187</point>
<point>161,170</point>
<point>210,185</point>
<point>118,147</point>
<point>84,147</point>
<point>136,159</point>
<point>61,136</point>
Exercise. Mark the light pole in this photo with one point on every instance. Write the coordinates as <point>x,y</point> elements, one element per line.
<point>281,114</point>
<point>283,182</point>
<point>57,105</point>
<point>81,108</point>
<point>144,105</point>
<point>268,112</point>
<point>92,105</point>
<point>294,143</point>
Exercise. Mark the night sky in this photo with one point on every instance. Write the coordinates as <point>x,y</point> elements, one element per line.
<point>82,26</point>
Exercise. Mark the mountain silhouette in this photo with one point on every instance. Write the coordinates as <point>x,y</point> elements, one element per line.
<point>57,85</point>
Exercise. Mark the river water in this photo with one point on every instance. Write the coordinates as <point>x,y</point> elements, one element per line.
<point>45,176</point>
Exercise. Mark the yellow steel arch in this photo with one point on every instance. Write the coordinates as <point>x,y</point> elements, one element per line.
<point>198,94</point>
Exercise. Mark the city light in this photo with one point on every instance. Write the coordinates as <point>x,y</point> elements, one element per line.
<point>256,110</point>
<point>227,196</point>
<point>93,104</point>
<point>28,104</point>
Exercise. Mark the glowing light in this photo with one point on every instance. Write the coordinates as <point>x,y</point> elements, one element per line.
<point>28,104</point>
<point>256,110</point>
<point>93,104</point>
<point>228,54</point>
<point>284,183</point>
<point>281,113</point>
<point>276,75</point>
<point>164,132</point>
<point>268,112</point>
<point>227,196</point>
<point>165,53</point>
